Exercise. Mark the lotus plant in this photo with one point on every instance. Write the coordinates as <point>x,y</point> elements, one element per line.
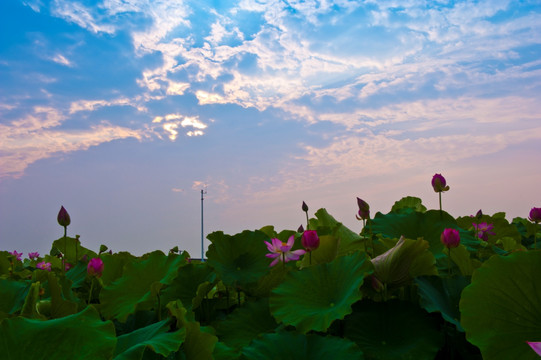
<point>63,219</point>
<point>439,185</point>
<point>16,254</point>
<point>535,217</point>
<point>310,241</point>
<point>484,230</point>
<point>280,251</point>
<point>450,238</point>
<point>94,269</point>
<point>364,211</point>
<point>304,208</point>
<point>44,266</point>
<point>33,255</point>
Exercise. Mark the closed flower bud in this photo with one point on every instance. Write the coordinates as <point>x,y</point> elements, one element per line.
<point>364,210</point>
<point>439,184</point>
<point>95,267</point>
<point>535,215</point>
<point>63,217</point>
<point>450,238</point>
<point>300,229</point>
<point>310,240</point>
<point>304,207</point>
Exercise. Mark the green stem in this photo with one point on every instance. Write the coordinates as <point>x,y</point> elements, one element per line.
<point>310,257</point>
<point>441,213</point>
<point>449,263</point>
<point>284,260</point>
<point>307,222</point>
<point>90,293</point>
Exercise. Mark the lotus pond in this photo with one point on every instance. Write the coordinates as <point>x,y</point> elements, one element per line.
<point>413,284</point>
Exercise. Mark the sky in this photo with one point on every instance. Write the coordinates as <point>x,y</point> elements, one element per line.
<point>122,111</point>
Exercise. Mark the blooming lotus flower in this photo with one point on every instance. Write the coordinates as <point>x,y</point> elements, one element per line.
<point>281,251</point>
<point>33,255</point>
<point>44,266</point>
<point>364,210</point>
<point>536,346</point>
<point>439,184</point>
<point>95,267</point>
<point>17,255</point>
<point>450,238</point>
<point>535,215</point>
<point>484,230</point>
<point>63,217</point>
<point>310,240</point>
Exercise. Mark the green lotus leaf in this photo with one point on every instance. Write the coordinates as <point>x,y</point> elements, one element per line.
<point>81,336</point>
<point>60,306</point>
<point>403,262</point>
<point>269,281</point>
<point>292,346</point>
<point>224,352</point>
<point>199,343</point>
<point>501,307</point>
<point>414,225</point>
<point>348,241</point>
<point>408,203</point>
<point>461,257</point>
<point>326,252</point>
<point>4,262</point>
<point>72,249</point>
<point>311,299</point>
<point>77,275</point>
<point>246,323</point>
<point>155,337</point>
<point>442,294</point>
<point>13,295</point>
<point>238,259</point>
<point>113,266</point>
<point>184,287</point>
<point>132,291</point>
<point>29,309</point>
<point>393,330</point>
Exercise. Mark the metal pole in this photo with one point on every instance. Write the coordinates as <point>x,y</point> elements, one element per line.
<point>202,250</point>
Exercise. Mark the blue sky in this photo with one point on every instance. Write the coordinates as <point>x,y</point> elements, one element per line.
<point>122,110</point>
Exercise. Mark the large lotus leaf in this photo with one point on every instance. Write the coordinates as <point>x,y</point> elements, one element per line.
<point>292,346</point>
<point>238,259</point>
<point>403,262</point>
<point>246,323</point>
<point>132,291</point>
<point>13,295</point>
<point>199,343</point>
<point>393,330</point>
<point>408,203</point>
<point>60,306</point>
<point>81,336</point>
<point>29,309</point>
<point>224,352</point>
<point>414,225</point>
<point>311,299</point>
<point>113,266</point>
<point>4,262</point>
<point>501,308</point>
<point>326,252</point>
<point>155,337</point>
<point>442,294</point>
<point>72,249</point>
<point>461,257</point>
<point>187,282</point>
<point>269,281</point>
<point>526,228</point>
<point>348,240</point>
<point>78,275</point>
<point>502,227</point>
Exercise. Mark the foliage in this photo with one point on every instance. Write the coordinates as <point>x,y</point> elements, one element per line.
<point>392,291</point>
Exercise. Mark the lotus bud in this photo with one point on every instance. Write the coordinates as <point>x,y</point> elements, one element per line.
<point>439,184</point>
<point>95,267</point>
<point>63,217</point>
<point>450,238</point>
<point>535,215</point>
<point>304,207</point>
<point>310,240</point>
<point>300,229</point>
<point>364,210</point>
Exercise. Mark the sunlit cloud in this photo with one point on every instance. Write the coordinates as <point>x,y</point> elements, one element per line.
<point>37,136</point>
<point>61,59</point>
<point>79,14</point>
<point>171,123</point>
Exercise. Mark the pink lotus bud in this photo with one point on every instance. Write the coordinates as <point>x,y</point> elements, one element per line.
<point>95,267</point>
<point>535,215</point>
<point>310,240</point>
<point>44,266</point>
<point>63,217</point>
<point>450,238</point>
<point>439,184</point>
<point>364,210</point>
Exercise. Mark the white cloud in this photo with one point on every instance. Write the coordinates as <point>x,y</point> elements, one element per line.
<point>171,123</point>
<point>61,59</point>
<point>79,14</point>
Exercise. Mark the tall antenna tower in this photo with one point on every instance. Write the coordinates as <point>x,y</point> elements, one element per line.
<point>203,193</point>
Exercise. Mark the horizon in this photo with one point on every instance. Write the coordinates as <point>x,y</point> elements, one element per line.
<point>123,110</point>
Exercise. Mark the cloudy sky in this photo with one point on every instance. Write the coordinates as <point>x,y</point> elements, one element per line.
<point>123,110</point>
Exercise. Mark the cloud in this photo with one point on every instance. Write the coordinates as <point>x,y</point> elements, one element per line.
<point>79,14</point>
<point>171,123</point>
<point>36,136</point>
<point>61,59</point>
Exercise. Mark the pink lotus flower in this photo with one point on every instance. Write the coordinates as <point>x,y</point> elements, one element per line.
<point>439,184</point>
<point>484,230</point>
<point>95,267</point>
<point>17,255</point>
<point>536,346</point>
<point>33,255</point>
<point>281,251</point>
<point>450,238</point>
<point>310,240</point>
<point>44,266</point>
<point>535,215</point>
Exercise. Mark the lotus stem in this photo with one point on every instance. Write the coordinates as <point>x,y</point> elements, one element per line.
<point>90,292</point>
